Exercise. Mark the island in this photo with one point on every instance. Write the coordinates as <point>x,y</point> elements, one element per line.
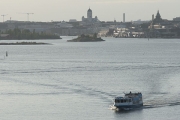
<point>25,43</point>
<point>25,34</point>
<point>86,38</point>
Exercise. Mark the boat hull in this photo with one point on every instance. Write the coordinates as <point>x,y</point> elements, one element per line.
<point>127,107</point>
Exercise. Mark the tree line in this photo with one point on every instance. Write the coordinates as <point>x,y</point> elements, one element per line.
<point>18,34</point>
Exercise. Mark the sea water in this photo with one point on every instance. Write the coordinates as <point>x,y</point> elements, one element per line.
<point>78,80</point>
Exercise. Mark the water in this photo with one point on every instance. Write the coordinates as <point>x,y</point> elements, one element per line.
<point>70,81</point>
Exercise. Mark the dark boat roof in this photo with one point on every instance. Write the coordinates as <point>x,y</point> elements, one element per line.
<point>129,95</point>
<point>132,94</point>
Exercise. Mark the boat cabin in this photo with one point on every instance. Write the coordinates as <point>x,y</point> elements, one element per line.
<point>129,101</point>
<point>129,98</point>
<point>122,100</point>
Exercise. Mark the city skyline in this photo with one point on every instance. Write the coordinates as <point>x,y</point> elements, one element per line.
<point>106,10</point>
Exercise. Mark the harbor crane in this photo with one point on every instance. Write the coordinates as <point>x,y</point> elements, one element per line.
<point>28,15</point>
<point>4,16</point>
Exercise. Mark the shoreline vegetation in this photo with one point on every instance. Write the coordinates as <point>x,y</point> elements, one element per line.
<point>25,43</point>
<point>86,38</point>
<point>18,34</point>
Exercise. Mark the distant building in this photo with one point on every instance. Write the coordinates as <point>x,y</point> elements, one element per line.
<point>37,27</point>
<point>72,20</point>
<point>63,24</point>
<point>158,18</point>
<point>176,19</point>
<point>4,35</point>
<point>140,22</point>
<point>11,21</point>
<point>89,17</point>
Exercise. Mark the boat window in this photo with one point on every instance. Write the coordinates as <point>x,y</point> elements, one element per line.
<point>117,101</point>
<point>129,100</point>
<point>121,101</point>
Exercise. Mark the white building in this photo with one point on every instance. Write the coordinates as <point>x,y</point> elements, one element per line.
<point>89,17</point>
<point>63,24</point>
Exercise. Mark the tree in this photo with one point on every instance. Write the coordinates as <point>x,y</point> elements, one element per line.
<point>95,35</point>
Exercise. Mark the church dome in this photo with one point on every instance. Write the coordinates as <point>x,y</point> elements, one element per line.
<point>158,18</point>
<point>89,10</point>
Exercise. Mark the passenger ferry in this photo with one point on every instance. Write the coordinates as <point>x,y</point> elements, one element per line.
<point>129,101</point>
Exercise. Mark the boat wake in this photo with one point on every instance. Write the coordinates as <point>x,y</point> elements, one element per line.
<point>147,106</point>
<point>111,107</point>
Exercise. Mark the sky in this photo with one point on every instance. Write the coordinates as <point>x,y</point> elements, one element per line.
<point>105,10</point>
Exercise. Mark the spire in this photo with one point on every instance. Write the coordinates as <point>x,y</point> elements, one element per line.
<point>89,10</point>
<point>158,16</point>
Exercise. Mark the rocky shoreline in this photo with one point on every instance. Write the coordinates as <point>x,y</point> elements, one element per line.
<point>86,38</point>
<point>25,43</point>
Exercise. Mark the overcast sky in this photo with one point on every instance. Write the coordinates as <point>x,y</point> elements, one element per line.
<point>105,10</point>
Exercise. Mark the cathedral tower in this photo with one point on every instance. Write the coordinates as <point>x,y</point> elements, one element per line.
<point>158,18</point>
<point>89,14</point>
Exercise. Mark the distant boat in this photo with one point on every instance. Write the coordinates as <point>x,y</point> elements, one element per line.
<point>129,101</point>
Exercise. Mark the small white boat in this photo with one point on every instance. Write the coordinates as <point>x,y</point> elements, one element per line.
<point>129,101</point>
